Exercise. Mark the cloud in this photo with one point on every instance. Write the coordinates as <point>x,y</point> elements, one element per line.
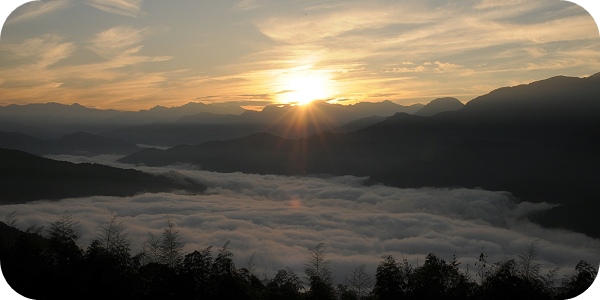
<point>42,51</point>
<point>280,218</point>
<point>35,9</point>
<point>117,41</point>
<point>489,4</point>
<point>130,8</point>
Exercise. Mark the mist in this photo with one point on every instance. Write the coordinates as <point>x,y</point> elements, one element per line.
<point>277,219</point>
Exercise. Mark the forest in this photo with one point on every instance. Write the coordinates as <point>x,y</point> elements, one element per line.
<point>49,263</point>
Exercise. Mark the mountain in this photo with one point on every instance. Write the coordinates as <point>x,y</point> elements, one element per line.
<point>402,137</point>
<point>82,143</point>
<point>26,177</point>
<point>286,121</point>
<point>23,142</point>
<point>537,141</point>
<point>440,105</point>
<point>192,123</point>
<point>51,120</point>
<point>162,114</point>
<point>359,124</point>
<point>560,174</point>
<point>78,143</point>
<point>54,112</point>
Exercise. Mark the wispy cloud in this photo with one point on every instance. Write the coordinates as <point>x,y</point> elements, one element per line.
<point>113,79</point>
<point>117,41</point>
<point>130,8</point>
<point>42,51</point>
<point>489,4</point>
<point>36,9</point>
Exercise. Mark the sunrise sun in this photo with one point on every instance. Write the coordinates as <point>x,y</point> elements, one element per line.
<point>303,86</point>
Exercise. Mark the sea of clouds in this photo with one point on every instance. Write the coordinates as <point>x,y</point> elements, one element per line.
<point>277,219</point>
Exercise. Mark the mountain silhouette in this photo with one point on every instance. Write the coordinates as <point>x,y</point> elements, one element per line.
<point>440,105</point>
<point>52,120</point>
<point>78,143</point>
<point>26,177</point>
<point>287,121</point>
<point>536,141</point>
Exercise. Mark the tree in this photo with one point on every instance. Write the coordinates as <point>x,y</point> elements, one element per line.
<point>389,281</point>
<point>505,281</point>
<point>63,235</point>
<point>223,264</point>
<point>165,249</point>
<point>343,292</point>
<point>171,245</point>
<point>319,275</point>
<point>285,285</point>
<point>151,252</point>
<point>575,284</point>
<point>115,241</point>
<point>229,282</point>
<point>196,272</point>
<point>481,267</point>
<point>438,279</point>
<point>105,268</point>
<point>63,257</point>
<point>528,269</point>
<point>64,230</point>
<point>11,219</point>
<point>360,282</point>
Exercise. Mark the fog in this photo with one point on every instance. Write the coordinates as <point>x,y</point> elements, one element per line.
<point>278,219</point>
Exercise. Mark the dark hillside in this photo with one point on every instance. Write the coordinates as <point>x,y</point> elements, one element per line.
<point>26,177</point>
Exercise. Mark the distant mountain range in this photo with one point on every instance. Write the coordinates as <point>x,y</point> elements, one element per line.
<point>193,123</point>
<point>538,141</point>
<point>78,143</point>
<point>51,120</point>
<point>285,121</point>
<point>26,177</point>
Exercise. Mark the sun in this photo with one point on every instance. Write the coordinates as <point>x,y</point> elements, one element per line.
<point>304,86</point>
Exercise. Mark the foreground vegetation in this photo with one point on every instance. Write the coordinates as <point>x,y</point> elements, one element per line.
<point>49,264</point>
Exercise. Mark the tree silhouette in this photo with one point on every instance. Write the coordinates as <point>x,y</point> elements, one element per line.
<point>53,266</point>
<point>63,255</point>
<point>360,282</point>
<point>196,272</point>
<point>285,285</point>
<point>578,282</point>
<point>438,279</point>
<point>11,219</point>
<point>170,245</point>
<point>151,251</point>
<point>114,240</point>
<point>390,282</point>
<point>319,275</point>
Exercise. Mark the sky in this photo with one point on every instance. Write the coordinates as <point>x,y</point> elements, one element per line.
<point>136,54</point>
<point>279,218</point>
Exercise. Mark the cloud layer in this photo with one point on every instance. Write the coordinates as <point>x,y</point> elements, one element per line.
<point>279,218</point>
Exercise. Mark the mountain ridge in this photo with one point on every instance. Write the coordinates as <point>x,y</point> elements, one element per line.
<point>26,177</point>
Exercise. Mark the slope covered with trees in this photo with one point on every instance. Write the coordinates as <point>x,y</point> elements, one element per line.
<point>26,177</point>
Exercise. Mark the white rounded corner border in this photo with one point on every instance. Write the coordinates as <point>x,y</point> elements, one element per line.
<point>8,6</point>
